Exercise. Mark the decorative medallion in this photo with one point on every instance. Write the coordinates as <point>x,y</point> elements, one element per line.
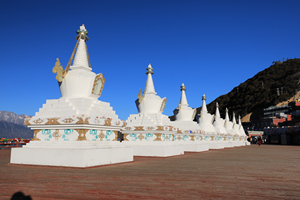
<point>58,70</point>
<point>192,137</point>
<point>163,104</point>
<point>98,84</point>
<point>107,122</point>
<point>160,128</point>
<point>158,136</point>
<point>81,134</point>
<point>83,121</point>
<point>26,121</point>
<point>141,136</point>
<point>56,134</point>
<point>38,121</point>
<point>139,128</point>
<point>35,132</point>
<point>68,120</point>
<point>53,120</point>
<point>101,135</point>
<point>140,96</point>
<point>116,136</point>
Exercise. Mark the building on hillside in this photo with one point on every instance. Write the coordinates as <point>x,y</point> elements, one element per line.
<point>276,116</point>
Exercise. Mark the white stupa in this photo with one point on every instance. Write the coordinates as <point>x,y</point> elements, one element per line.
<point>241,129</point>
<point>230,127</point>
<point>205,119</point>
<point>235,127</point>
<point>184,115</point>
<point>242,133</point>
<point>150,132</point>
<point>77,125</point>
<point>222,136</point>
<point>219,122</point>
<point>188,131</point>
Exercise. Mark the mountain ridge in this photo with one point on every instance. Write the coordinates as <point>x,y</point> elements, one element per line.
<point>269,87</point>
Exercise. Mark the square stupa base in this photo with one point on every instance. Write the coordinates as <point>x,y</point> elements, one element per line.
<point>216,145</point>
<point>239,143</point>
<point>71,154</point>
<point>195,147</point>
<point>155,149</point>
<point>228,145</point>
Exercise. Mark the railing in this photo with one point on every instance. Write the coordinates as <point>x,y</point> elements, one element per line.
<point>9,145</point>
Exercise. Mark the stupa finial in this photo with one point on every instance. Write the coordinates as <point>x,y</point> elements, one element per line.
<point>82,33</point>
<point>233,118</point>
<point>183,100</point>
<point>226,115</point>
<point>149,89</point>
<point>149,69</point>
<point>82,58</point>
<point>204,108</point>
<point>217,114</point>
<point>182,87</point>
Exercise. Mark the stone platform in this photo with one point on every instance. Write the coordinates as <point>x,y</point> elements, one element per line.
<point>233,173</point>
<point>71,154</point>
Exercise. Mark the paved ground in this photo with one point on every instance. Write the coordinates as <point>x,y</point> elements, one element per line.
<point>252,172</point>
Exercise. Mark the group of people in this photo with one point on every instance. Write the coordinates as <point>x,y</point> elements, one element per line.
<point>255,140</point>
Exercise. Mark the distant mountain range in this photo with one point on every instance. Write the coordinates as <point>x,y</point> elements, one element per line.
<point>11,126</point>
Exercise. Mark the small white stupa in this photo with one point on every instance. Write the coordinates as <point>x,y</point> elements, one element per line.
<point>150,132</point>
<point>235,126</point>
<point>222,136</point>
<point>241,129</point>
<point>188,131</point>
<point>219,122</point>
<point>205,119</point>
<point>242,132</point>
<point>184,115</point>
<point>229,126</point>
<point>76,130</point>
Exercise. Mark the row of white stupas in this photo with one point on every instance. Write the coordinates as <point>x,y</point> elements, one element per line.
<point>78,130</point>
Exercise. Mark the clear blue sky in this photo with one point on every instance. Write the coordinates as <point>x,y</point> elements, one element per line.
<point>211,46</point>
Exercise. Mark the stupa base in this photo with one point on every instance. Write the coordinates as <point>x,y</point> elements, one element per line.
<point>216,145</point>
<point>156,149</point>
<point>239,143</point>
<point>71,154</point>
<point>195,147</point>
<point>228,145</point>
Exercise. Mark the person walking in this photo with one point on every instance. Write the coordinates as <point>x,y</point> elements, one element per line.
<point>259,141</point>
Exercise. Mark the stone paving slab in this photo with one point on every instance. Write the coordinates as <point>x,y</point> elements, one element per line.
<point>251,172</point>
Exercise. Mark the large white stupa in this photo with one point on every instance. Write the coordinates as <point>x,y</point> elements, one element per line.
<point>150,132</point>
<point>76,130</point>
